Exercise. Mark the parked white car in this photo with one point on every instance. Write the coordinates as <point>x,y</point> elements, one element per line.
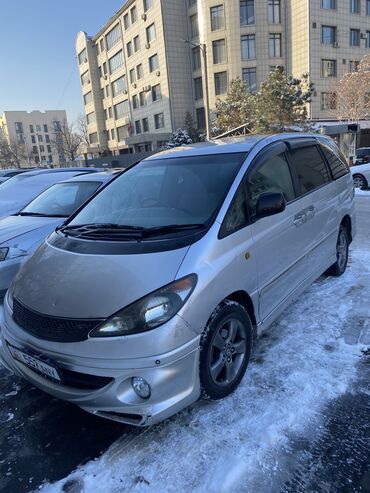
<point>361,175</point>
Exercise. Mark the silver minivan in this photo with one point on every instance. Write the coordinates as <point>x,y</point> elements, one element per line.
<point>149,297</point>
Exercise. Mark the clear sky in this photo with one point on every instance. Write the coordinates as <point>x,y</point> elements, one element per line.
<point>38,69</point>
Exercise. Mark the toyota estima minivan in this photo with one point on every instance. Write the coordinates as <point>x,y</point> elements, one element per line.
<point>150,295</point>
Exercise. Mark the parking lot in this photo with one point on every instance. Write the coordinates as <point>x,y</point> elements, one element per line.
<point>298,423</point>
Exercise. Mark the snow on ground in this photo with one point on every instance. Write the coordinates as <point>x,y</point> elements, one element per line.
<point>307,358</point>
<point>362,192</point>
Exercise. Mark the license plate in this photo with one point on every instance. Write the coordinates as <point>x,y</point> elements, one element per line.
<point>35,363</point>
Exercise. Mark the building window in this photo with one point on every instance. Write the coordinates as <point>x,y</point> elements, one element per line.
<point>217,17</point>
<point>110,113</point>
<point>135,102</point>
<point>101,44</point>
<point>328,35</point>
<point>219,51</point>
<point>88,98</point>
<point>142,98</point>
<point>47,138</point>
<point>119,86</point>
<point>35,150</point>
<point>132,76</point>
<point>147,4</point>
<point>195,52</point>
<point>91,118</point>
<point>145,122</point>
<point>107,91</point>
<point>328,68</point>
<point>46,128</point>
<point>201,118</point>
<point>138,127</point>
<point>113,37</point>
<point>18,127</point>
<point>121,110</point>
<point>353,65</point>
<point>274,12</point>
<point>139,71</point>
<point>328,4</point>
<point>49,149</point>
<point>85,78</point>
<point>198,88</point>
<point>150,33</point>
<point>33,139</point>
<point>328,101</point>
<point>39,138</point>
<point>220,83</point>
<point>246,12</point>
<point>153,63</point>
<point>367,7</point>
<point>133,13</point>
<point>249,75</point>
<point>194,27</point>
<point>112,134</point>
<point>93,138</point>
<point>248,45</point>
<point>367,42</point>
<point>156,92</point>
<point>159,121</point>
<point>355,6</point>
<point>31,129</point>
<point>129,49</point>
<point>275,45</point>
<point>116,62</point>
<point>42,149</point>
<point>123,132</point>
<point>354,37</point>
<point>126,21</point>
<point>38,128</point>
<point>137,43</point>
<point>50,157</point>
<point>82,56</point>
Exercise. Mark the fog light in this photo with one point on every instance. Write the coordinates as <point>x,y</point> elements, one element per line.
<point>141,387</point>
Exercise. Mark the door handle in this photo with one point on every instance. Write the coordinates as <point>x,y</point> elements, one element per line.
<point>310,212</point>
<point>299,219</point>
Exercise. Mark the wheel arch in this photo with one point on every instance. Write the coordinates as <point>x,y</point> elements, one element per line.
<point>347,223</point>
<point>243,298</point>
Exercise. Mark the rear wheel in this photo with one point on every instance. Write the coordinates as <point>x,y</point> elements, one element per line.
<point>225,350</point>
<point>340,265</point>
<point>360,182</point>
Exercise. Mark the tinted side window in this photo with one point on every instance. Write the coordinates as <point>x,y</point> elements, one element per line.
<point>273,175</point>
<point>310,168</point>
<point>236,217</point>
<point>338,167</point>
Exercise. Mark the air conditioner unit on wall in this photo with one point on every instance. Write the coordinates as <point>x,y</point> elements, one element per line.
<point>143,16</point>
<point>147,46</point>
<point>363,36</point>
<point>147,88</point>
<point>335,44</point>
<point>158,73</point>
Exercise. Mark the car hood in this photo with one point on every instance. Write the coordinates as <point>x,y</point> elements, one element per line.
<point>65,284</point>
<point>8,207</point>
<point>13,227</point>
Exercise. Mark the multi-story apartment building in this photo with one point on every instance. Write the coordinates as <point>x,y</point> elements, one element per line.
<point>38,133</point>
<point>145,68</point>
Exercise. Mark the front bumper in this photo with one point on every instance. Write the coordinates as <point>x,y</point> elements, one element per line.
<point>173,377</point>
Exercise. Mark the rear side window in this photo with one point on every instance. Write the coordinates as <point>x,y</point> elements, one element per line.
<point>273,175</point>
<point>310,168</point>
<point>338,166</point>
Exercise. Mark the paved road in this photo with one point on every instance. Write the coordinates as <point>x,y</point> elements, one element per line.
<point>43,439</point>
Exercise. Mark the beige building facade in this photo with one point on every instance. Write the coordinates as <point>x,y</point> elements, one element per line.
<point>36,133</point>
<point>145,68</point>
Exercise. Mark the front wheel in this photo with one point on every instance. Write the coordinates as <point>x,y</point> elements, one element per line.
<point>359,182</point>
<point>340,265</point>
<point>225,350</point>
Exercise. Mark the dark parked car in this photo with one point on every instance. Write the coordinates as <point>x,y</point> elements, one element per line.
<point>362,155</point>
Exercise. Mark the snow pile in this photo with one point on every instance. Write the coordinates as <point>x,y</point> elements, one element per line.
<point>301,363</point>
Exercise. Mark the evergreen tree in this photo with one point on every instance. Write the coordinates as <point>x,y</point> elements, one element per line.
<point>189,126</point>
<point>178,138</point>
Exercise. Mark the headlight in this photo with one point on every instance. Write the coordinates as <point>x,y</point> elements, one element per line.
<point>7,253</point>
<point>149,312</point>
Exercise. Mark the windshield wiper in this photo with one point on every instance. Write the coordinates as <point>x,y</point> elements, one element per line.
<point>39,214</point>
<point>101,229</point>
<point>172,228</point>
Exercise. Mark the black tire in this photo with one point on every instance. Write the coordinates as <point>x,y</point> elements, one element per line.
<point>360,182</point>
<point>340,265</point>
<point>222,351</point>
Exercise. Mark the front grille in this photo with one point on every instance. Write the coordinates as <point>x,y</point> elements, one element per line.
<point>83,380</point>
<point>52,328</point>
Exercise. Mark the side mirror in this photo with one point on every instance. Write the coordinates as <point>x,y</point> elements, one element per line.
<point>269,204</point>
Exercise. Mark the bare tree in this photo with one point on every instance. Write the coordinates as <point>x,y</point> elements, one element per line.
<point>13,153</point>
<point>66,140</point>
<point>350,97</point>
<point>82,129</point>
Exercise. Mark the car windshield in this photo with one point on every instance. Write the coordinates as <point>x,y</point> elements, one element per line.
<point>61,199</point>
<point>166,192</point>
